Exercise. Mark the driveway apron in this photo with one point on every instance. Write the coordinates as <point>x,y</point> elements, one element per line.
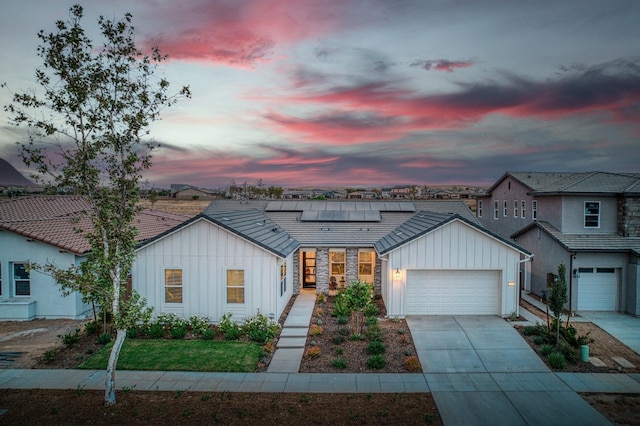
<point>481,371</point>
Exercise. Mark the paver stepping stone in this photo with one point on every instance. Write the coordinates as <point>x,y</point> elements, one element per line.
<point>596,361</point>
<point>623,362</point>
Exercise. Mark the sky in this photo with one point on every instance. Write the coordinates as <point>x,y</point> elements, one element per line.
<point>369,93</point>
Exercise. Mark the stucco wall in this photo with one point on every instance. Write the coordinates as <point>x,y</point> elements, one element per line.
<point>573,215</point>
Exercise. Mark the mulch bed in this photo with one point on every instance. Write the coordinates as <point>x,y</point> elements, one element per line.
<point>395,336</point>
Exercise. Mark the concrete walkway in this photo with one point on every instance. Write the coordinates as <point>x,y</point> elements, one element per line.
<point>623,327</point>
<point>293,337</point>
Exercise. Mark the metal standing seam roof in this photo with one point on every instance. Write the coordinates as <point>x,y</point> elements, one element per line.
<point>586,242</point>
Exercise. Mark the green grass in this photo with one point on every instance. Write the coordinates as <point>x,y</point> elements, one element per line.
<point>180,355</point>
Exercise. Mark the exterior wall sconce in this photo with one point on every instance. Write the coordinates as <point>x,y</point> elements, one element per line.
<point>397,273</point>
<point>511,283</point>
<point>576,273</point>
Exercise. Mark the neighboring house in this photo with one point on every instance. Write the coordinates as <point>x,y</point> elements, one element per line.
<point>362,195</point>
<point>196,193</point>
<point>590,221</point>
<point>39,229</point>
<point>247,256</point>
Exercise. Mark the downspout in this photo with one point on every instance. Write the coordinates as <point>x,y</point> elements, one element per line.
<point>571,256</point>
<point>526,259</point>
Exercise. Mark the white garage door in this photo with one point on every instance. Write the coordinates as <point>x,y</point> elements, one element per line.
<point>597,289</point>
<point>453,292</point>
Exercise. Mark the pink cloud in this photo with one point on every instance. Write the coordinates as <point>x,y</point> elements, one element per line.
<point>442,65</point>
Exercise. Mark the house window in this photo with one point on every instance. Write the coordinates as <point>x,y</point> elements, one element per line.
<point>515,208</point>
<point>365,266</point>
<point>479,208</point>
<point>505,208</point>
<point>283,278</point>
<point>0,278</point>
<point>235,286</point>
<point>523,209</point>
<point>337,262</point>
<point>534,210</point>
<point>173,285</point>
<point>592,214</point>
<point>496,209</point>
<point>21,279</point>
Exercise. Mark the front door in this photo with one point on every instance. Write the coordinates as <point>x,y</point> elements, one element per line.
<point>309,269</point>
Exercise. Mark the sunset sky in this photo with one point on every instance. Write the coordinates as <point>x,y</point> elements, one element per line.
<point>370,92</point>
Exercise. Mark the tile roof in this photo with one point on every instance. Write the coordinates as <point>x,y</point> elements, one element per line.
<point>577,183</point>
<point>611,243</point>
<point>56,220</point>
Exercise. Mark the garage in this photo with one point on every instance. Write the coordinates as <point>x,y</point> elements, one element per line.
<point>453,292</point>
<point>597,289</point>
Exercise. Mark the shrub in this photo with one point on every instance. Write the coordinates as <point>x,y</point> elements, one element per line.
<point>374,332</point>
<point>170,320</point>
<point>376,348</point>
<point>340,363</point>
<point>229,328</point>
<point>556,360</point>
<point>260,328</point>
<point>412,363</point>
<point>337,340</point>
<point>584,339</point>
<point>339,351</point>
<point>530,330</point>
<point>318,312</point>
<point>545,350</point>
<point>371,320</point>
<point>342,320</point>
<point>356,336</point>
<point>321,299</point>
<point>155,331</point>
<point>315,330</point>
<point>569,352</point>
<point>340,306</point>
<point>70,338</point>
<point>198,324</point>
<point>313,352</point>
<point>371,310</point>
<point>343,331</point>
<point>376,362</point>
<point>269,347</point>
<point>208,334</point>
<point>539,340</point>
<point>104,338</point>
<point>92,327</point>
<point>132,333</point>
<point>179,332</point>
<point>49,356</point>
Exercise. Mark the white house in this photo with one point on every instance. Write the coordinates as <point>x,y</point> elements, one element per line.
<point>39,229</point>
<point>423,257</point>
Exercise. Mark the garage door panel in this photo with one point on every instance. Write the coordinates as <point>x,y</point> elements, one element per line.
<point>453,292</point>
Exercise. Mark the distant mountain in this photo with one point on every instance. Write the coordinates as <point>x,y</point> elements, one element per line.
<point>9,176</point>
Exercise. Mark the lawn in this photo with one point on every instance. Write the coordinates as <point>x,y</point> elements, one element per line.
<point>180,355</point>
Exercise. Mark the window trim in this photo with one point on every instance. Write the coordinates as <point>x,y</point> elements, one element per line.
<point>14,281</point>
<point>516,209</point>
<point>523,209</point>
<point>496,209</point>
<point>479,208</point>
<point>505,207</point>
<point>228,287</point>
<point>344,262</point>
<point>371,262</point>
<point>167,286</point>
<point>589,214</point>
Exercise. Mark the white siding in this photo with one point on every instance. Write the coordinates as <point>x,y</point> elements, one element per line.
<point>454,246</point>
<point>204,252</point>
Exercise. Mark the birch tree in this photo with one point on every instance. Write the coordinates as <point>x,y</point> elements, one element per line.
<point>86,133</point>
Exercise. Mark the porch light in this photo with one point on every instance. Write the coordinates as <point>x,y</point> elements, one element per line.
<point>397,273</point>
<point>511,283</point>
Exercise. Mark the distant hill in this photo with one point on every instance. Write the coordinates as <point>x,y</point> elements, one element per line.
<point>9,176</point>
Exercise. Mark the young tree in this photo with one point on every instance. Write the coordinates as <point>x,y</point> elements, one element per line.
<point>86,134</point>
<point>558,297</point>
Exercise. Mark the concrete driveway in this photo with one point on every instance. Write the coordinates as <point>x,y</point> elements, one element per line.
<point>480,371</point>
<point>471,344</point>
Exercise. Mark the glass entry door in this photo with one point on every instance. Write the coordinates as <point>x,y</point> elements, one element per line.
<point>309,269</point>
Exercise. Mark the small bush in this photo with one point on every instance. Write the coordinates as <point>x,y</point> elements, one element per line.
<point>371,320</point>
<point>269,347</point>
<point>556,360</point>
<point>374,332</point>
<point>318,312</point>
<point>530,330</point>
<point>179,332</point>
<point>260,328</point>
<point>70,338</point>
<point>343,331</point>
<point>156,331</point>
<point>104,338</point>
<point>376,348</point>
<point>337,340</point>
<point>340,363</point>
<point>340,306</point>
<point>569,352</point>
<point>92,327</point>
<point>208,334</point>
<point>342,320</point>
<point>545,350</point>
<point>313,352</point>
<point>412,364</point>
<point>584,339</point>
<point>356,336</point>
<point>198,324</point>
<point>539,340</point>
<point>49,356</point>
<point>132,333</point>
<point>376,362</point>
<point>339,351</point>
<point>321,299</point>
<point>371,310</point>
<point>230,329</point>
<point>315,330</point>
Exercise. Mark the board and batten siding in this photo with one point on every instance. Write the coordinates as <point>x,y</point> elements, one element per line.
<point>453,246</point>
<point>204,252</point>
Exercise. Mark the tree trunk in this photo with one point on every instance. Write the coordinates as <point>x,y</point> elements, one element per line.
<point>110,381</point>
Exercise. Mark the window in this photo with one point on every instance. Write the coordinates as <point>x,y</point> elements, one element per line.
<point>235,286</point>
<point>592,214</point>
<point>365,266</point>
<point>496,209</point>
<point>504,208</point>
<point>523,209</point>
<point>515,208</point>
<point>173,285</point>
<point>21,279</point>
<point>534,210</point>
<point>337,262</point>
<point>283,277</point>
<point>479,208</point>
<point>0,278</point>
